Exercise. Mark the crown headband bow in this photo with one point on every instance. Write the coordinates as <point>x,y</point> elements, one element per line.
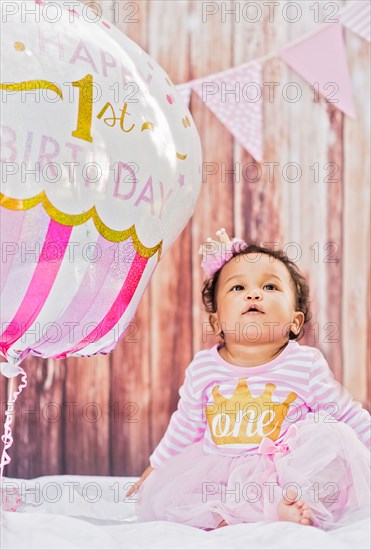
<point>216,254</point>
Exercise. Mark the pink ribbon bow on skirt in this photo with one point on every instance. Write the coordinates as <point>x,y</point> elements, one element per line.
<point>269,447</point>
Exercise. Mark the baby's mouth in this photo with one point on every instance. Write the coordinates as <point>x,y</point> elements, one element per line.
<point>254,309</point>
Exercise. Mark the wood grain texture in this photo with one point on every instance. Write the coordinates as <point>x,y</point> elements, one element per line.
<point>135,388</point>
<point>333,344</point>
<point>86,437</point>
<point>356,222</point>
<point>38,423</point>
<point>171,285</point>
<point>215,205</point>
<point>130,396</point>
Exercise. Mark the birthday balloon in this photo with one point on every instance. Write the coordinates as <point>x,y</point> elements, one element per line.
<point>101,167</point>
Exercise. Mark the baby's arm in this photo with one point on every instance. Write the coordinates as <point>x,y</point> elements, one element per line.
<point>186,424</point>
<point>328,395</point>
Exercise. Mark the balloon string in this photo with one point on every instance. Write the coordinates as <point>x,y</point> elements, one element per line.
<point>7,438</point>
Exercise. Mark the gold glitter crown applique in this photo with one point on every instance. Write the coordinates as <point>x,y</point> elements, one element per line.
<point>246,419</point>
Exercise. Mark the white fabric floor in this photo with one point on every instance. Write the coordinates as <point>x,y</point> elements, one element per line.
<point>81,512</point>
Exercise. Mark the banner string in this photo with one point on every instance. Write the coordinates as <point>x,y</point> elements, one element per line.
<point>267,57</point>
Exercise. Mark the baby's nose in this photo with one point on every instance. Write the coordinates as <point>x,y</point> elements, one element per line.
<point>254,294</point>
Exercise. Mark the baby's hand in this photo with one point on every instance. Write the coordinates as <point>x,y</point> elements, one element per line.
<point>136,486</point>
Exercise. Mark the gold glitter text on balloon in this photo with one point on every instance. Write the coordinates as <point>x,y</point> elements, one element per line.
<point>32,85</point>
<point>85,111</point>
<point>111,121</point>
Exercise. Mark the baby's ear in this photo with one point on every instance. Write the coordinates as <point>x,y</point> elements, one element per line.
<point>213,320</point>
<point>298,322</point>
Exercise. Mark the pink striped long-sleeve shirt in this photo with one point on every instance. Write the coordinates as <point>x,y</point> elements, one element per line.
<point>232,407</point>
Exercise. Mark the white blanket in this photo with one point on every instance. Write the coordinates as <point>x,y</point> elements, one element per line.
<point>63,512</point>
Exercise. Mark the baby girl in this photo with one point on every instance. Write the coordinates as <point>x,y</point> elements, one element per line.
<point>262,431</point>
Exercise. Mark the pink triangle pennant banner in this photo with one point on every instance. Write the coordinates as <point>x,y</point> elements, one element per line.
<point>357,18</point>
<point>321,60</point>
<point>185,91</point>
<point>235,97</point>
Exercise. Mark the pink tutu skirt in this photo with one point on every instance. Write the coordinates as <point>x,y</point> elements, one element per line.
<point>326,465</point>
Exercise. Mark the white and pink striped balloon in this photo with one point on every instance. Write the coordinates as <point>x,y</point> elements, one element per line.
<point>101,168</point>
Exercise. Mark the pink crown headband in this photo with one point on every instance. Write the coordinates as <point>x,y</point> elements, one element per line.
<point>216,254</point>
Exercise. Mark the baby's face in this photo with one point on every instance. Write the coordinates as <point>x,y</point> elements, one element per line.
<point>256,300</point>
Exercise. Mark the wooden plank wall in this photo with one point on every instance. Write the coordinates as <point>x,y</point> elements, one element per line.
<point>104,415</point>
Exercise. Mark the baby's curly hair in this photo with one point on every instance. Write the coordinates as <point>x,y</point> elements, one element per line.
<point>299,283</point>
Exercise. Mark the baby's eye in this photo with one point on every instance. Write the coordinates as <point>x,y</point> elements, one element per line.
<point>270,286</point>
<point>237,287</point>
